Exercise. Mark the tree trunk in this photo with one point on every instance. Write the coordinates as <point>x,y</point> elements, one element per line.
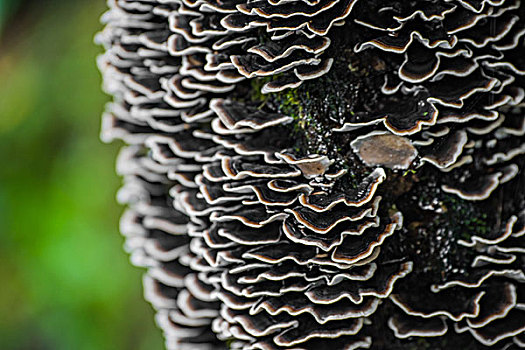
<point>323,174</point>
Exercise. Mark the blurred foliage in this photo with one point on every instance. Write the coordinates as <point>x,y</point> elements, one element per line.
<point>66,282</point>
<point>7,8</point>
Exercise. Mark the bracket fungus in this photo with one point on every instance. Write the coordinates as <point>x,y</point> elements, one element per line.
<point>384,149</point>
<point>323,174</point>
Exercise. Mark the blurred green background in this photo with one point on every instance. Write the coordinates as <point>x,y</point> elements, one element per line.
<point>65,281</point>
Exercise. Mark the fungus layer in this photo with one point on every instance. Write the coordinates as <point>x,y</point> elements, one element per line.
<point>315,174</point>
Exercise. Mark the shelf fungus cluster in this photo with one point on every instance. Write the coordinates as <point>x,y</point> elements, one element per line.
<point>323,174</point>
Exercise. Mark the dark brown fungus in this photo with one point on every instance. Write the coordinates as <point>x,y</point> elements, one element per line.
<point>405,326</point>
<point>322,174</point>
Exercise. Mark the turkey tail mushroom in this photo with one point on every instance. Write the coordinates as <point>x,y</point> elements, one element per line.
<point>316,174</point>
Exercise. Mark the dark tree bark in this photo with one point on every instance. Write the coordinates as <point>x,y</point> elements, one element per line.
<point>323,174</point>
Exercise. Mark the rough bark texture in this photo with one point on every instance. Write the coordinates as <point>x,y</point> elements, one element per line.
<point>323,174</point>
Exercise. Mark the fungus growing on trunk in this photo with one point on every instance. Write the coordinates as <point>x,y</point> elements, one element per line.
<point>320,174</point>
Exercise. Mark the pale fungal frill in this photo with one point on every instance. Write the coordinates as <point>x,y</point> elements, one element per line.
<point>322,174</point>
<point>384,149</point>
